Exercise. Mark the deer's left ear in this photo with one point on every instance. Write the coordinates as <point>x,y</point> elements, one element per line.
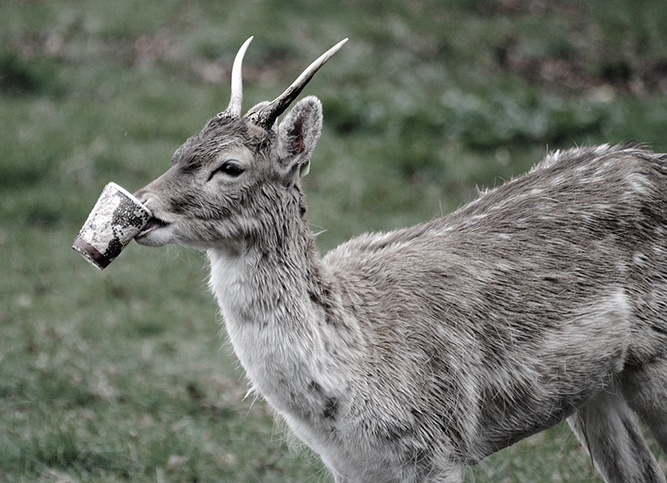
<point>297,136</point>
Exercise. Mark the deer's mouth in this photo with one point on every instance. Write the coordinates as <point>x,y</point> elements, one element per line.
<point>152,225</point>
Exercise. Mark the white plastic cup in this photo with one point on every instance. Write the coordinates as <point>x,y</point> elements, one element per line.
<point>115,220</point>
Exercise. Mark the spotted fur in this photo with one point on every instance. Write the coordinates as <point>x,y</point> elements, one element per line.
<point>405,356</point>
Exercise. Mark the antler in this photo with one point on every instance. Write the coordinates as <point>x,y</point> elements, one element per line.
<point>234,108</point>
<point>268,113</point>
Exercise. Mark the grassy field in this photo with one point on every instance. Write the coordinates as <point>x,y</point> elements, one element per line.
<point>123,375</point>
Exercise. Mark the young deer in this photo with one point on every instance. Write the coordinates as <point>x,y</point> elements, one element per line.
<point>404,356</point>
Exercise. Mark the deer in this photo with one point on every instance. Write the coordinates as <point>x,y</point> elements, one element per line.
<point>410,355</point>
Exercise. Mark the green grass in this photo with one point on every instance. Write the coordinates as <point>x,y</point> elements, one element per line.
<point>122,375</point>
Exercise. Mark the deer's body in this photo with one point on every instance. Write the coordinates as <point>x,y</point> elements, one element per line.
<point>404,356</point>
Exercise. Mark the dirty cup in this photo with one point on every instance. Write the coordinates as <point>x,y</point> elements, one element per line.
<point>114,221</point>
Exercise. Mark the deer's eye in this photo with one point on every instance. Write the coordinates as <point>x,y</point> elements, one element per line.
<point>231,168</point>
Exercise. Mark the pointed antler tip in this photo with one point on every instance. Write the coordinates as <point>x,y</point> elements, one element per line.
<point>236,98</point>
<point>269,113</point>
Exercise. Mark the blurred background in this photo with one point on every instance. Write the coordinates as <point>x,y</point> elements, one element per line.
<point>124,375</point>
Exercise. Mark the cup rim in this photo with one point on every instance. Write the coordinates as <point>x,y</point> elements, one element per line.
<point>131,197</point>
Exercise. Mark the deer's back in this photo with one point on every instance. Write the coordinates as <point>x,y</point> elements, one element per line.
<point>567,260</point>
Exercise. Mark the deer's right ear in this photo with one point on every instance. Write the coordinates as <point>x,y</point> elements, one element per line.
<point>297,136</point>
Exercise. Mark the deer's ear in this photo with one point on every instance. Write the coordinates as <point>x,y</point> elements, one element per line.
<point>297,136</point>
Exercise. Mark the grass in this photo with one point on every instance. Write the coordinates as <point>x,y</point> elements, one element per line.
<point>121,375</point>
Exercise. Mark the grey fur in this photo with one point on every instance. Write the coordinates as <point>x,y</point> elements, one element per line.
<point>404,356</point>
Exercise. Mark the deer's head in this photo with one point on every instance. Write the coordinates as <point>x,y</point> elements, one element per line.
<point>228,182</point>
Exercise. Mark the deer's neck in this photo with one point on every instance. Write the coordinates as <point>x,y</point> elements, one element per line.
<point>273,299</point>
